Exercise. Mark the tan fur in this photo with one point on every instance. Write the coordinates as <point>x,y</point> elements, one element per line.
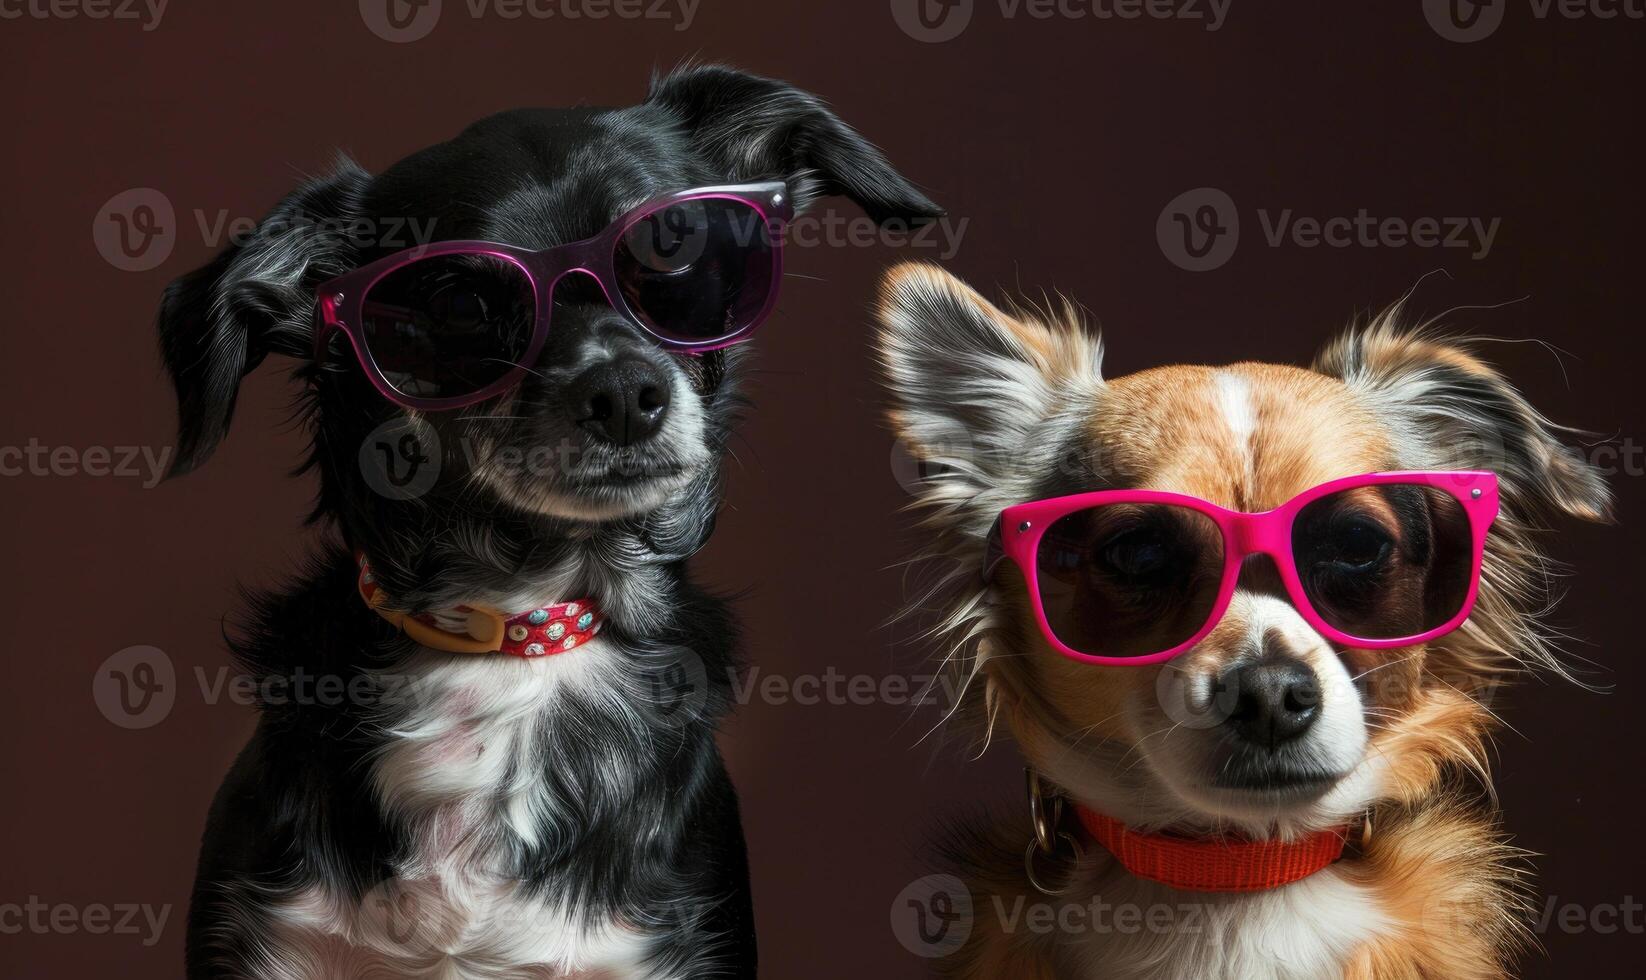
<point>1163,429</point>
<point>1452,886</point>
<point>1437,878</point>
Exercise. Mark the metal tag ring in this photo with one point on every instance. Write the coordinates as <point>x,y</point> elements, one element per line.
<point>1034,877</point>
<point>1045,826</point>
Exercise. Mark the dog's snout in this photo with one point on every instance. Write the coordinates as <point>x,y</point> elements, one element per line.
<point>1275,700</point>
<point>622,401</point>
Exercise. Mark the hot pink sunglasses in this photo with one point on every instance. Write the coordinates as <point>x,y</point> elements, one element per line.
<point>1139,576</point>
<point>449,324</point>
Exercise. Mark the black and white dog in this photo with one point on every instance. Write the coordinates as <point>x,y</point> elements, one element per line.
<point>416,812</point>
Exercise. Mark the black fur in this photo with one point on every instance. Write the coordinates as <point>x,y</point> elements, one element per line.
<point>660,848</point>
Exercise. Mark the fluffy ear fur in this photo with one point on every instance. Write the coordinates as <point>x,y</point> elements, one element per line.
<point>1447,409</point>
<point>218,322</point>
<point>985,399</point>
<point>759,128</point>
<point>976,390</point>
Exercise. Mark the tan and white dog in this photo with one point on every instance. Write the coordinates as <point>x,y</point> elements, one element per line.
<point>1003,407</point>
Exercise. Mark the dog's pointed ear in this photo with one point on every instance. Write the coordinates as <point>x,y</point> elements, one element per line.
<point>1448,409</point>
<point>218,322</point>
<point>758,128</point>
<point>977,391</point>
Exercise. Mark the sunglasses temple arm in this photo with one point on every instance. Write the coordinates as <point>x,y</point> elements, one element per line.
<point>994,552</point>
<point>324,322</point>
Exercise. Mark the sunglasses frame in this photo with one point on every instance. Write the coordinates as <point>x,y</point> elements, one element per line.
<point>1018,531</point>
<point>339,301</point>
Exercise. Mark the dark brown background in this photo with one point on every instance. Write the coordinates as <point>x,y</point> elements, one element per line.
<point>1057,141</point>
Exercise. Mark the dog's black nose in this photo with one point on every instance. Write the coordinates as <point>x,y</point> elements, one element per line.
<point>622,401</point>
<point>1275,700</point>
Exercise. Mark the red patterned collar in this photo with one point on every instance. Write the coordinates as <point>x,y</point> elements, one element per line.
<point>1208,864</point>
<point>538,632</point>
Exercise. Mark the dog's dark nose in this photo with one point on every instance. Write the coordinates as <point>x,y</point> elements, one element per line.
<point>1275,700</point>
<point>622,401</point>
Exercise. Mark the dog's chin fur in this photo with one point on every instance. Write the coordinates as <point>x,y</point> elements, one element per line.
<point>1007,406</point>
<point>1160,795</point>
<point>596,504</point>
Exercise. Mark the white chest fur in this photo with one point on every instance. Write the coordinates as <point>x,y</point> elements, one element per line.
<point>442,929</point>
<point>460,773</point>
<point>1141,930</point>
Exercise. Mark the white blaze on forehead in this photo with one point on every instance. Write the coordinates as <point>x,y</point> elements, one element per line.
<point>1234,401</point>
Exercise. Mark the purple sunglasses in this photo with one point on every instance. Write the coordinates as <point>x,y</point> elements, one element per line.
<point>1140,576</point>
<point>449,324</point>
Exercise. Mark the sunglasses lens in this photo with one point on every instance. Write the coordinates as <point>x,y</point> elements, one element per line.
<point>1129,580</point>
<point>1385,562</point>
<point>449,325</point>
<point>698,271</point>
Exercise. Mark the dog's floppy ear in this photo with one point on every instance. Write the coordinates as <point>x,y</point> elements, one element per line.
<point>218,322</point>
<point>758,128</point>
<point>976,390</point>
<point>1449,410</point>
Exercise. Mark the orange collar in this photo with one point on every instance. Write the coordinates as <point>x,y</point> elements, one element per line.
<point>541,632</point>
<point>1214,864</point>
